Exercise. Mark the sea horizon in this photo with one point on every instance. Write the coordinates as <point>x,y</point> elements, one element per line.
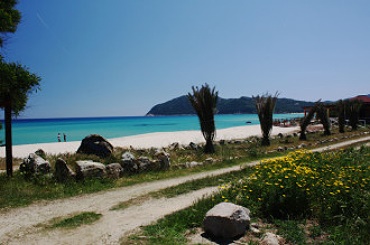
<point>46,130</point>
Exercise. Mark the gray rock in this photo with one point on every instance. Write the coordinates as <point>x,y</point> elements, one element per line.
<point>114,170</point>
<point>128,156</point>
<point>280,149</point>
<point>209,160</point>
<point>89,169</point>
<point>226,220</point>
<point>272,239</point>
<point>144,164</point>
<point>41,153</point>
<point>128,163</point>
<point>193,164</point>
<point>34,164</point>
<point>164,159</point>
<point>62,171</point>
<point>174,146</point>
<point>193,146</point>
<point>97,145</point>
<point>255,230</point>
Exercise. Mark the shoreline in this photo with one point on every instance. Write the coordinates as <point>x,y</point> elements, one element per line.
<point>149,140</point>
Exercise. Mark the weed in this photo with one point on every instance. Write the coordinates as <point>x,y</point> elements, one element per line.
<point>77,220</point>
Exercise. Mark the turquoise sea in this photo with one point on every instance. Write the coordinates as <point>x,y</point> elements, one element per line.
<point>30,131</point>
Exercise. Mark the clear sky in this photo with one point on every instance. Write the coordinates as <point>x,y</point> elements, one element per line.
<point>121,57</point>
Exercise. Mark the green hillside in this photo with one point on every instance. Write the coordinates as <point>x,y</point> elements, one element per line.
<point>243,105</point>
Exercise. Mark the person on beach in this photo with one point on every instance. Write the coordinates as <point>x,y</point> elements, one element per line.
<point>58,137</point>
<point>65,137</point>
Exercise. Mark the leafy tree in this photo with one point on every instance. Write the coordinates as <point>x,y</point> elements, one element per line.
<point>341,108</point>
<point>353,112</point>
<point>265,106</point>
<point>204,102</point>
<point>16,83</point>
<point>9,18</point>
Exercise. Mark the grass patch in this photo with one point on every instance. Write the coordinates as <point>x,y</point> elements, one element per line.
<point>77,220</point>
<point>291,230</point>
<point>131,202</point>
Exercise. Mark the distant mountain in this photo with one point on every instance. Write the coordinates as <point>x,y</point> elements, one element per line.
<point>242,105</point>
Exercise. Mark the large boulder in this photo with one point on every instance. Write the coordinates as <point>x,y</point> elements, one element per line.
<point>89,169</point>
<point>62,171</point>
<point>226,220</point>
<point>97,145</point>
<point>34,164</point>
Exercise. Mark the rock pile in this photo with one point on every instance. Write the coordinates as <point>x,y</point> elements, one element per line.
<point>84,169</point>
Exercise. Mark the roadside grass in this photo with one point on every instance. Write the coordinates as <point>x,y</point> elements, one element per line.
<point>331,191</point>
<point>77,220</point>
<point>20,191</point>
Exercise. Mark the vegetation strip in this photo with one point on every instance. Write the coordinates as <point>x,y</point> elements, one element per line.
<point>332,206</point>
<point>77,220</point>
<point>18,191</point>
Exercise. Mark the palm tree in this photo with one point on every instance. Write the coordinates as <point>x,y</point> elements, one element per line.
<point>353,111</point>
<point>265,106</point>
<point>306,121</point>
<point>204,101</point>
<point>340,106</point>
<point>324,117</point>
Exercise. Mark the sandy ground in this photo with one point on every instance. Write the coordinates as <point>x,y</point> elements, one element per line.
<point>21,225</point>
<point>157,140</point>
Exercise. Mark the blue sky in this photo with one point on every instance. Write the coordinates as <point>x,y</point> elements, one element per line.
<point>121,57</point>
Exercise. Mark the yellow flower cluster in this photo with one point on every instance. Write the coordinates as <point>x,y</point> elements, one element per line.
<point>310,174</point>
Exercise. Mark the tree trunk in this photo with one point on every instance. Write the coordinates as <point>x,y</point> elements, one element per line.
<point>265,141</point>
<point>209,148</point>
<point>302,136</point>
<point>327,133</point>
<point>8,139</point>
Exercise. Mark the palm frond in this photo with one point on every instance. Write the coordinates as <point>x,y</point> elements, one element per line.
<point>265,106</point>
<point>204,101</point>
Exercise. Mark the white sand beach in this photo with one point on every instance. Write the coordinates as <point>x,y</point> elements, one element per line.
<point>157,140</point>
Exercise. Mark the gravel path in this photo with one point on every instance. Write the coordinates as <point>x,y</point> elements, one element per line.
<point>19,225</point>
